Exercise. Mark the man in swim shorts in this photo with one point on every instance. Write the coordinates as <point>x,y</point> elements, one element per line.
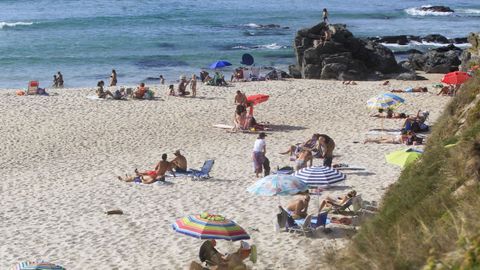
<point>179,163</point>
<point>303,158</point>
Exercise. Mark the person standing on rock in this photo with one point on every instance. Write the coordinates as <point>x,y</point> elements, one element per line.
<point>325,15</point>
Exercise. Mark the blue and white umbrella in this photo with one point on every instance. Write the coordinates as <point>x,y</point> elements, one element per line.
<point>278,184</point>
<point>319,176</point>
<point>385,101</point>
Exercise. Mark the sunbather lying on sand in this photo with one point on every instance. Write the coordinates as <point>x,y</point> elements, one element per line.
<point>149,177</point>
<point>390,114</point>
<point>407,138</point>
<point>299,205</point>
<point>411,90</point>
<point>340,201</point>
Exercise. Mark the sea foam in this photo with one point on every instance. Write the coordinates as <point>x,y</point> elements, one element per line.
<point>13,24</point>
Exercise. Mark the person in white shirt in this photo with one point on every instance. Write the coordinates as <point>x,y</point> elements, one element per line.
<point>259,152</point>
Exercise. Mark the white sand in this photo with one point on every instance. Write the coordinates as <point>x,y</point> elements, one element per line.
<point>61,155</point>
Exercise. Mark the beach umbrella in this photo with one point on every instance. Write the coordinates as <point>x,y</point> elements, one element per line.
<point>384,101</point>
<point>403,157</point>
<point>278,184</point>
<point>257,99</point>
<point>220,64</point>
<point>37,266</point>
<point>457,77</point>
<point>209,226</point>
<point>247,59</point>
<point>319,176</point>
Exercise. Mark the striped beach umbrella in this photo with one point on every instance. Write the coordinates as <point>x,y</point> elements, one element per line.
<point>37,266</point>
<point>384,101</point>
<point>208,226</point>
<point>319,176</point>
<point>278,184</point>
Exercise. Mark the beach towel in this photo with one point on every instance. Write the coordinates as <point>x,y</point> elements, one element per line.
<point>95,98</point>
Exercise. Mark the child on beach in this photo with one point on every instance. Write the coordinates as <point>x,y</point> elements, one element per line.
<point>193,85</point>
<point>259,151</point>
<point>171,90</point>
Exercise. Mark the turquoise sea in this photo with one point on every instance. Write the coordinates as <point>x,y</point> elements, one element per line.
<point>142,39</point>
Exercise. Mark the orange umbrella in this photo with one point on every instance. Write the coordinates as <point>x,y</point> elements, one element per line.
<point>257,99</point>
<point>456,77</point>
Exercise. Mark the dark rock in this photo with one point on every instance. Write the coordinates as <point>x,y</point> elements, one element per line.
<point>406,66</point>
<point>400,40</point>
<point>294,71</point>
<point>462,40</point>
<point>441,61</point>
<point>436,9</point>
<point>435,38</point>
<point>343,57</point>
<point>411,51</point>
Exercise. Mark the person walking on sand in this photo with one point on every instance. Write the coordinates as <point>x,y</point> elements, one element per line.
<point>113,78</point>
<point>325,16</point>
<point>59,80</point>
<point>328,146</point>
<point>55,81</point>
<point>193,85</point>
<point>259,152</point>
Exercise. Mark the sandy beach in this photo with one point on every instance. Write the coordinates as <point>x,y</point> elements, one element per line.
<point>61,155</point>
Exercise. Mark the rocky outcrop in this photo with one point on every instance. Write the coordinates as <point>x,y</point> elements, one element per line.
<point>343,57</point>
<point>471,56</point>
<point>436,9</point>
<point>406,39</point>
<point>439,60</point>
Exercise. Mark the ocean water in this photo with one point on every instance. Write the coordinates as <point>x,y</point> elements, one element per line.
<point>142,39</point>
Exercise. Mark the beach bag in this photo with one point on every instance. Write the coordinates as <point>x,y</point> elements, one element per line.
<point>415,127</point>
<point>148,95</point>
<point>41,91</point>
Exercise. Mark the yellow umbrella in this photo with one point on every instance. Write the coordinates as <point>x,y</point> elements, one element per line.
<point>403,157</point>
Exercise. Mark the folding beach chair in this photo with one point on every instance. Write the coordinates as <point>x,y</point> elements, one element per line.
<point>32,88</point>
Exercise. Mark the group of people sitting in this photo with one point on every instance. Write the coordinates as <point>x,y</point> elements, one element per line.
<point>182,87</point>
<point>177,165</point>
<point>217,261</point>
<point>141,92</point>
<point>319,146</point>
<point>298,206</point>
<point>412,125</point>
<point>217,80</point>
<point>243,118</point>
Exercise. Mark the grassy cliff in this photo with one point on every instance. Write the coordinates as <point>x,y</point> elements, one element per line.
<point>430,219</point>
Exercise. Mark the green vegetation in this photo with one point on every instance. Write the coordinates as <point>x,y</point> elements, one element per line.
<point>430,219</point>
